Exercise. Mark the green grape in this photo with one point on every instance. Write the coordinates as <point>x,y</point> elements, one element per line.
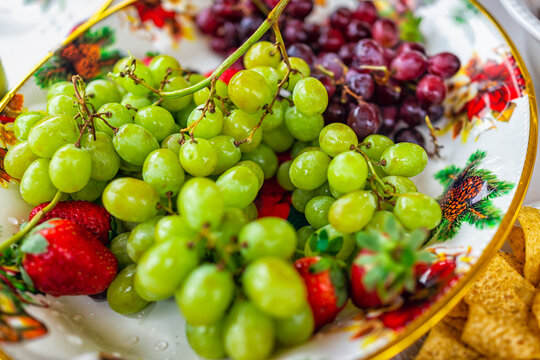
<point>163,268</point>
<point>121,64</point>
<point>297,148</point>
<point>206,341</point>
<point>163,171</point>
<point>157,120</point>
<point>142,72</point>
<point>36,186</point>
<point>251,212</point>
<point>283,176</point>
<point>18,159</point>
<point>296,329</point>
<point>278,139</point>
<point>195,78</point>
<point>324,189</point>
<point>172,226</point>
<point>239,186</point>
<point>164,65</point>
<point>404,159</point>
<point>173,84</point>
<point>133,143</point>
<point>300,198</point>
<point>210,124</point>
<point>378,221</point>
<point>62,105</point>
<point>303,235</point>
<point>121,294</point>
<point>228,153</point>
<point>51,133</point>
<point>337,194</point>
<point>374,146</point>
<point>336,138</point>
<point>232,222</point>
<point>264,157</point>
<point>115,114</point>
<point>172,142</point>
<point>298,64</point>
<point>268,236</point>
<point>399,185</point>
<point>239,125</point>
<point>262,53</point>
<point>249,91</point>
<point>308,170</point>
<point>91,192</point>
<point>130,199</point>
<point>205,295</point>
<point>118,247</point>
<point>310,96</point>
<point>133,170</point>
<point>351,212</point>
<point>61,88</point>
<point>275,118</point>
<point>25,122</point>
<point>198,157</point>
<point>317,211</point>
<point>416,210</point>
<point>141,238</point>
<point>202,95</point>
<point>101,92</point>
<point>248,333</point>
<point>201,203</point>
<point>105,160</point>
<point>274,286</point>
<point>270,75</point>
<point>70,168</point>
<point>348,172</point>
<point>182,116</point>
<point>135,102</point>
<point>348,244</point>
<point>303,127</point>
<point>257,170</point>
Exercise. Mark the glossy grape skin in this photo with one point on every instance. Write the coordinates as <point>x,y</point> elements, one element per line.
<point>411,135</point>
<point>172,142</point>
<point>303,127</point>
<point>239,186</point>
<point>303,235</point>
<point>176,83</point>
<point>257,170</point>
<point>283,177</point>
<point>101,92</point>
<point>36,186</point>
<point>408,65</point>
<point>133,143</point>
<point>24,123</point>
<point>404,159</point>
<point>118,247</point>
<point>163,268</point>
<point>135,102</point>
<point>18,159</point>
<point>374,146</point>
<point>91,192</point>
<point>157,120</point>
<point>317,209</point>
<point>206,341</point>
<point>310,96</point>
<point>121,295</point>
<point>172,226</point>
<point>278,139</point>
<point>210,125</point>
<point>268,236</point>
<point>368,52</point>
<point>386,32</point>
<point>239,125</point>
<point>444,64</point>
<point>298,64</point>
<point>399,184</point>
<point>249,91</point>
<point>161,65</point>
<point>201,202</point>
<point>416,210</point>
<point>228,154</point>
<point>348,243</point>
<point>364,119</point>
<point>264,157</point>
<point>431,89</point>
<point>70,168</point>
<point>262,53</point>
<point>300,198</point>
<point>360,83</point>
<point>51,133</point>
<point>105,160</point>
<point>202,95</point>
<point>302,51</point>
<point>331,40</point>
<point>379,219</point>
<point>163,171</point>
<point>130,199</point>
<point>141,238</point>
<point>205,295</point>
<point>274,119</point>
<point>274,286</point>
<point>198,157</point>
<point>60,88</point>
<point>308,170</point>
<point>248,333</point>
<point>351,212</point>
<point>296,329</point>
<point>297,148</point>
<point>62,105</point>
<point>337,138</point>
<point>119,115</point>
<point>271,76</point>
<point>143,72</point>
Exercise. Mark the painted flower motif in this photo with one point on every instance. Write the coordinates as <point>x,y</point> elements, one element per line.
<point>168,15</point>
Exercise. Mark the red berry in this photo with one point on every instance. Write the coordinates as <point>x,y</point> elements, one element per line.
<point>431,89</point>
<point>366,11</point>
<point>408,65</point>
<point>444,64</point>
<point>386,32</point>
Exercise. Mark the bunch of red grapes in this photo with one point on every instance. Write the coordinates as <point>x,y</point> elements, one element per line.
<point>376,82</point>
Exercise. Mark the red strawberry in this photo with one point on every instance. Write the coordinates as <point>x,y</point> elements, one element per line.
<point>92,217</point>
<point>326,287</point>
<point>62,258</point>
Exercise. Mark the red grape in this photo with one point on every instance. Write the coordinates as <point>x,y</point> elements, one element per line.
<point>346,53</point>
<point>389,115</point>
<point>331,62</point>
<point>299,9</point>
<point>435,113</point>
<point>327,81</point>
<point>409,134</point>
<point>294,32</point>
<point>331,40</point>
<point>408,46</point>
<point>360,83</point>
<point>408,65</point>
<point>336,112</point>
<point>248,25</point>
<point>431,89</point>
<point>365,119</point>
<point>444,64</point>
<point>207,21</point>
<point>340,18</point>
<point>386,32</point>
<point>411,112</point>
<point>366,11</point>
<point>389,93</point>
<point>357,29</point>
<point>368,52</point>
<point>302,51</point>
<point>228,10</point>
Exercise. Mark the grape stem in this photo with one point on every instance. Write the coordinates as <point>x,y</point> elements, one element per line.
<point>381,80</point>
<point>374,176</point>
<point>432,132</point>
<point>31,224</point>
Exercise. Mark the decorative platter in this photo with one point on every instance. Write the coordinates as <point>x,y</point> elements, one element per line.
<point>488,138</point>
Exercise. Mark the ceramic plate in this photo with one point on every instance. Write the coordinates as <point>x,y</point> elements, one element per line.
<point>489,145</point>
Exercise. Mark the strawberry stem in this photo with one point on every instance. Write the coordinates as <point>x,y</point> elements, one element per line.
<point>30,225</point>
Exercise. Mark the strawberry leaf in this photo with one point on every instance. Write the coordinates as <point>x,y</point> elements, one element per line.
<point>339,280</point>
<point>34,242</point>
<point>368,241</point>
<point>26,278</point>
<point>318,242</point>
<point>335,246</point>
<point>320,266</point>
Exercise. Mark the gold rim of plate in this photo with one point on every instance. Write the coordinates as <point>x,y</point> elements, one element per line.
<point>440,308</point>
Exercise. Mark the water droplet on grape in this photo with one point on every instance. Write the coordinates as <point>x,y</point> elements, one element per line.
<point>130,340</point>
<point>77,317</point>
<point>13,221</point>
<point>161,345</point>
